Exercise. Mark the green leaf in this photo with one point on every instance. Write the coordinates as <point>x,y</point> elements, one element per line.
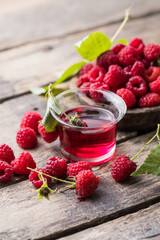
<point>70,71</point>
<point>151,164</point>
<point>93,45</point>
<point>122,40</point>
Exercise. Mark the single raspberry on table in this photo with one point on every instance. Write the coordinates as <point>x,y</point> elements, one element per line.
<point>128,96</point>
<point>31,119</point>
<point>117,48</point>
<point>34,178</point>
<point>86,183</point>
<point>151,51</point>
<point>122,168</point>
<point>115,76</point>
<point>152,73</point>
<point>47,136</point>
<point>26,138</point>
<point>74,168</point>
<point>21,163</point>
<point>96,74</point>
<point>138,69</point>
<point>5,171</point>
<point>56,167</point>
<point>137,85</point>
<point>6,153</point>
<point>85,69</point>
<point>149,100</point>
<point>155,86</point>
<point>82,79</point>
<point>106,59</point>
<point>127,56</point>
<point>137,44</point>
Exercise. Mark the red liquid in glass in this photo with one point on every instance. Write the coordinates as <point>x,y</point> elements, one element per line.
<point>92,145</point>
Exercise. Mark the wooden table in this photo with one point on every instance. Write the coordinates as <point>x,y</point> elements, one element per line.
<point>36,40</point>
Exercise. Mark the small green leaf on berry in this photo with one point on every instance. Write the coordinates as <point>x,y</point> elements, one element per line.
<point>122,40</point>
<point>44,191</point>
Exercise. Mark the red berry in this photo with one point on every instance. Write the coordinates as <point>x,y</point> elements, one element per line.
<point>82,79</point>
<point>149,100</point>
<point>96,74</point>
<point>122,168</point>
<point>152,73</point>
<point>87,86</point>
<point>85,69</point>
<point>21,163</point>
<point>86,183</point>
<point>6,153</point>
<point>127,56</point>
<point>105,86</point>
<point>115,76</point>
<point>127,72</point>
<point>151,51</point>
<point>117,48</point>
<point>74,168</point>
<point>26,138</point>
<point>33,177</point>
<point>137,44</point>
<point>106,59</point>
<point>138,69</point>
<point>96,95</point>
<point>56,167</point>
<point>47,136</point>
<point>31,119</point>
<point>5,171</point>
<point>155,86</point>
<point>137,85</point>
<point>127,96</point>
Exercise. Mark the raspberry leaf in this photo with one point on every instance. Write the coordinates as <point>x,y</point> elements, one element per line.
<point>151,164</point>
<point>122,40</point>
<point>93,45</point>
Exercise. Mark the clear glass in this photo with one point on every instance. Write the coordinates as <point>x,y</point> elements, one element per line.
<point>101,110</point>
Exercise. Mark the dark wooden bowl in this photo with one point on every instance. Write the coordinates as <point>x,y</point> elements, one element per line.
<point>136,119</point>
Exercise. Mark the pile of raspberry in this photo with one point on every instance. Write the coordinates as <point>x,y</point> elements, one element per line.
<point>130,71</point>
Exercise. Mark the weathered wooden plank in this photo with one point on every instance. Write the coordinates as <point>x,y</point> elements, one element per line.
<point>36,64</point>
<point>28,21</point>
<point>144,224</point>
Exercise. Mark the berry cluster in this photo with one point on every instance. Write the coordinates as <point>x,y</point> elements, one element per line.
<point>131,71</point>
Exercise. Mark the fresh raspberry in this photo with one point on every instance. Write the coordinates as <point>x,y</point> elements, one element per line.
<point>31,119</point>
<point>96,74</point>
<point>137,44</point>
<point>26,138</point>
<point>127,72</point>
<point>74,168</point>
<point>21,163</point>
<point>152,73</point>
<point>149,100</point>
<point>6,153</point>
<point>138,69</point>
<point>127,56</point>
<point>5,171</point>
<point>146,63</point>
<point>85,88</point>
<point>151,51</point>
<point>122,168</point>
<point>115,76</point>
<point>155,86</point>
<point>105,86</point>
<point>85,69</point>
<point>47,136</point>
<point>82,79</point>
<point>127,96</point>
<point>33,177</point>
<point>56,167</point>
<point>137,85</point>
<point>96,95</point>
<point>86,183</point>
<point>106,59</point>
<point>117,48</point>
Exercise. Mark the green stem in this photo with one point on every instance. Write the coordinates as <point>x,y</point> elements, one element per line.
<point>156,135</point>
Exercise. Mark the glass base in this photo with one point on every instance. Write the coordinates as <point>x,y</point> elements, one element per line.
<point>92,161</point>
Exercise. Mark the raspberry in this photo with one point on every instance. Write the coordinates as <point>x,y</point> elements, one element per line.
<point>149,100</point>
<point>152,73</point>
<point>56,167</point>
<point>21,163</point>
<point>145,62</point>
<point>85,85</point>
<point>138,69</point>
<point>115,76</point>
<point>33,177</point>
<point>155,86</point>
<point>85,69</point>
<point>96,95</point>
<point>96,74</point>
<point>106,59</point>
<point>82,79</point>
<point>122,168</point>
<point>127,96</point>
<point>5,171</point>
<point>6,153</point>
<point>74,168</point>
<point>31,119</point>
<point>137,85</point>
<point>105,86</point>
<point>137,44</point>
<point>47,136</point>
<point>151,51</point>
<point>127,72</point>
<point>26,138</point>
<point>117,48</point>
<point>127,56</point>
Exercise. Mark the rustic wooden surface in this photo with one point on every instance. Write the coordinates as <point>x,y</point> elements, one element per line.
<point>37,40</point>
